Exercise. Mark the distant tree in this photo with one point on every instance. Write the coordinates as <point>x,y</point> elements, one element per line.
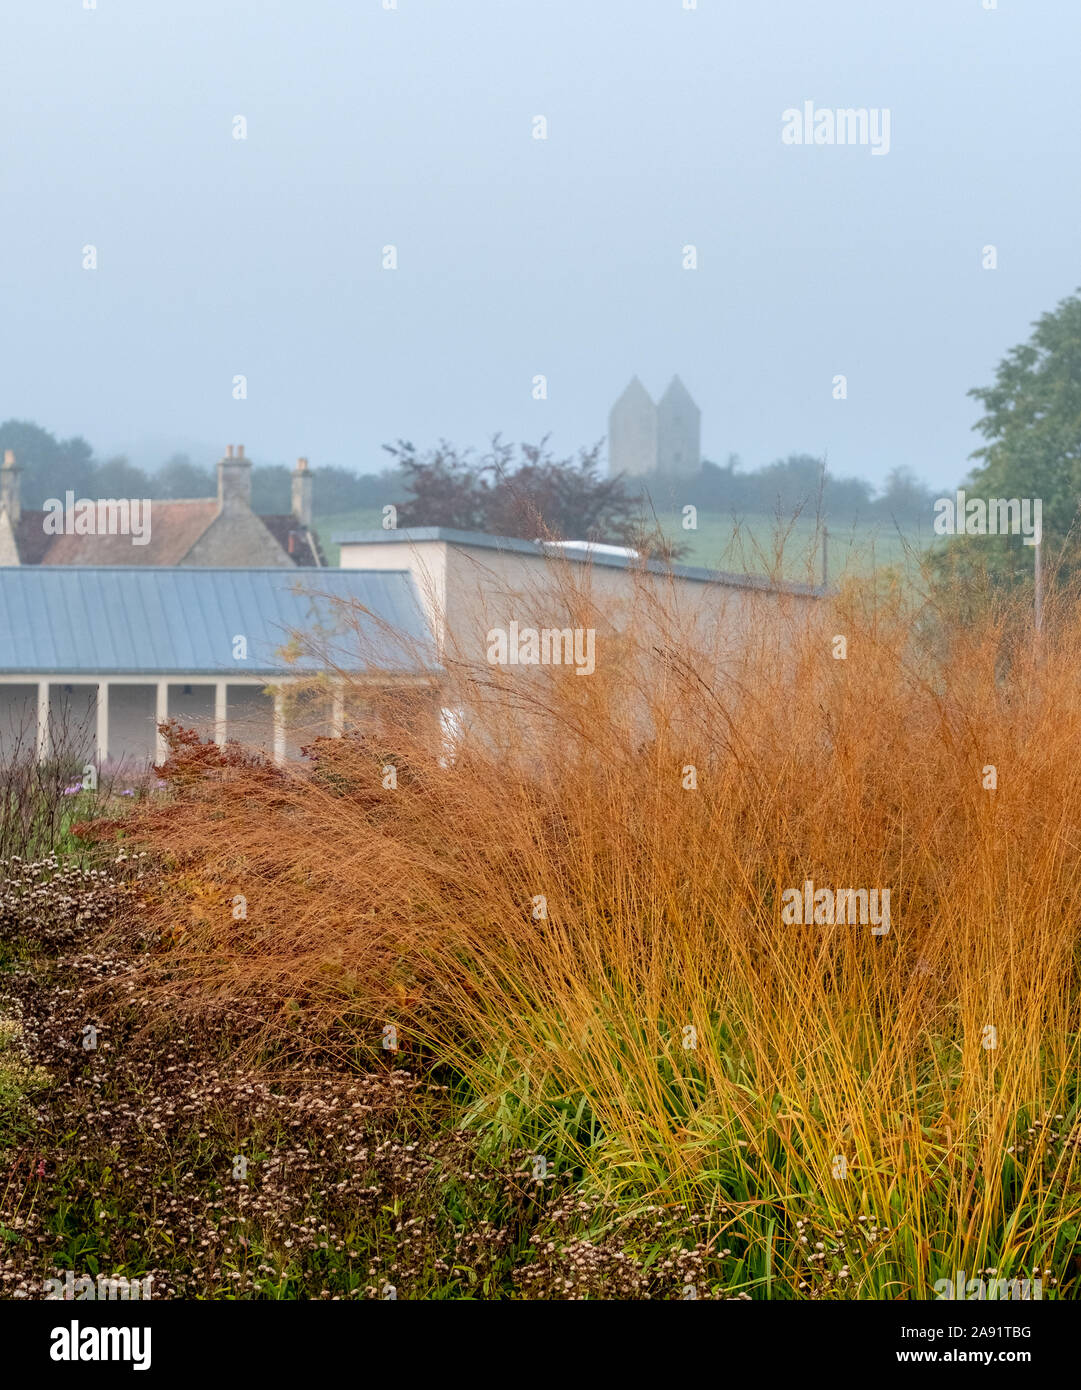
<point>798,483</point>
<point>50,466</point>
<point>791,485</point>
<point>802,483</point>
<point>337,489</point>
<point>116,477</point>
<point>271,489</point>
<point>179,478</point>
<point>514,491</point>
<point>334,489</point>
<point>846,497</point>
<point>1032,425</point>
<point>905,498</point>
<point>718,487</point>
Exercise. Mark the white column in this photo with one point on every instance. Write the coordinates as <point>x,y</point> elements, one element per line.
<point>103,723</point>
<point>279,726</point>
<point>337,710</point>
<point>220,710</point>
<point>161,714</point>
<point>43,720</point>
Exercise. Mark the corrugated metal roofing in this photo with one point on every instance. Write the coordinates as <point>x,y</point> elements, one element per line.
<point>184,621</point>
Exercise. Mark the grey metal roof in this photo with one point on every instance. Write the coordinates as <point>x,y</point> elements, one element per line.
<point>162,621</point>
<point>415,535</point>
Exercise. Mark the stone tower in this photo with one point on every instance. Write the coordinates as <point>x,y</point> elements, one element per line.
<point>679,433</point>
<point>647,440</point>
<point>632,433</point>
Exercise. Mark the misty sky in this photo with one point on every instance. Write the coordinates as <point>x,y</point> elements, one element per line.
<point>414,127</point>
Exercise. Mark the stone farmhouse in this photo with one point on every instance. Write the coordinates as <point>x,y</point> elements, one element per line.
<point>212,532</point>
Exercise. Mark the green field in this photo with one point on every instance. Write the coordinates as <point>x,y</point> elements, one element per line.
<point>750,547</point>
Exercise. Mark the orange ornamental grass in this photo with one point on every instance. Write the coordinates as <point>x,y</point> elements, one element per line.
<point>577,912</point>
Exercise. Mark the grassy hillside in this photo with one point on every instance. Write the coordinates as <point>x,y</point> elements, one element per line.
<point>751,546</point>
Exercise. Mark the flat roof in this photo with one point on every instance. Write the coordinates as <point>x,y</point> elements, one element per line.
<point>482,541</point>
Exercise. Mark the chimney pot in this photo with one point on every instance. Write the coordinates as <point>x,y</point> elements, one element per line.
<point>9,458</point>
<point>240,451</point>
<point>228,451</point>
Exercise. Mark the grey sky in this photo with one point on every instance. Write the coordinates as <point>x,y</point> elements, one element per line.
<point>518,256</point>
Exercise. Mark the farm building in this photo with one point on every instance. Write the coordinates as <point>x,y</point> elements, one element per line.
<point>473,584</point>
<point>107,654</point>
<point>204,531</point>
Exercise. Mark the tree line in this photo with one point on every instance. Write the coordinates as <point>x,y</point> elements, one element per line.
<point>51,466</point>
<point>505,490</point>
<point>1031,428</point>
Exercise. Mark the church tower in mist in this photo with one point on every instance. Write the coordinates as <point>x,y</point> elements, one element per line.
<point>632,433</point>
<point>658,441</point>
<point>679,433</point>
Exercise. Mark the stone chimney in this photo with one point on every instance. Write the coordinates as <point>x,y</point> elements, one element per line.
<point>234,480</point>
<point>10,500</point>
<point>302,493</point>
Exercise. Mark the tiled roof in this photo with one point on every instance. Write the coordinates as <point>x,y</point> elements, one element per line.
<point>175,527</point>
